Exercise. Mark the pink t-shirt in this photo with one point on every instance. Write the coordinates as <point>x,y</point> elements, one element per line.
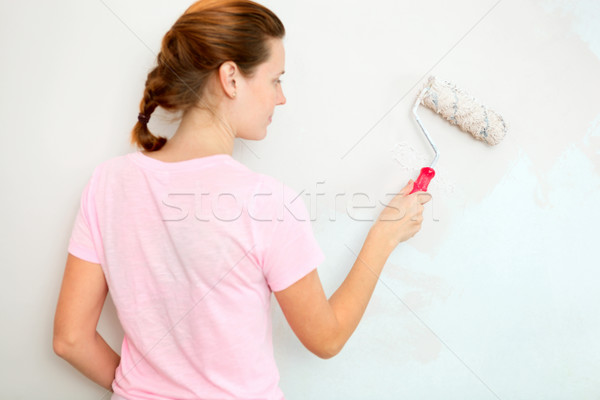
<point>191,252</point>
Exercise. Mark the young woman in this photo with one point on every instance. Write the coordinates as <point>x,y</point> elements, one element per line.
<point>191,243</point>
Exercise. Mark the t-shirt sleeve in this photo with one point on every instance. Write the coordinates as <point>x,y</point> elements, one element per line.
<point>291,251</point>
<point>82,242</point>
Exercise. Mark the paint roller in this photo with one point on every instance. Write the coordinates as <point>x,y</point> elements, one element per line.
<point>460,108</point>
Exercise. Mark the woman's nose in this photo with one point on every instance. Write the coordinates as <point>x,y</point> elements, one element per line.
<point>280,98</point>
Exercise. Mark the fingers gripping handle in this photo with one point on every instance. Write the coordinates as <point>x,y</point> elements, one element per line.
<point>423,180</point>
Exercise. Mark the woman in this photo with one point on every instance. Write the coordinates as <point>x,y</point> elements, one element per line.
<point>191,243</point>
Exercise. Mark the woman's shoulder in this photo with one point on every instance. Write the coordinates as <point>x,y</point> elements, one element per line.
<point>277,196</point>
<point>276,187</point>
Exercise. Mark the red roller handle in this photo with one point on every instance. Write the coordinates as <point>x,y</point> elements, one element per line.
<point>423,180</point>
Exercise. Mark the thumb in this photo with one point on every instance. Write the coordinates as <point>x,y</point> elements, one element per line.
<point>406,189</point>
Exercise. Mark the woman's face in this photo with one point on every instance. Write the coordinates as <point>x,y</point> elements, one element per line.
<point>258,96</point>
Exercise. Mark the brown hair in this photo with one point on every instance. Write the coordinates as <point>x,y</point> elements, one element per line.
<point>209,33</point>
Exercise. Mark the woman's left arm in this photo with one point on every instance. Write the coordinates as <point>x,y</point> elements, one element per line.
<point>80,303</point>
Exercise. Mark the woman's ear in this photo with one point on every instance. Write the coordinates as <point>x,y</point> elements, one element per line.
<point>228,71</point>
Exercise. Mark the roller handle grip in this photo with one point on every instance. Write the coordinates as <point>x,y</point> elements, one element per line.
<point>423,180</point>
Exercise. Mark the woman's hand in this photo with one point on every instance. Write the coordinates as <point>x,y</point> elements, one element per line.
<point>401,219</point>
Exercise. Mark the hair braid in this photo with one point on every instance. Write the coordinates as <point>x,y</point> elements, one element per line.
<point>141,134</point>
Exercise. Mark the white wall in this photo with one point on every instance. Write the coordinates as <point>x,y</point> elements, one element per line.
<point>496,297</point>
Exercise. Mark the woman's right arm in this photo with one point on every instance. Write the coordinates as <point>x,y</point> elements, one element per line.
<point>324,326</point>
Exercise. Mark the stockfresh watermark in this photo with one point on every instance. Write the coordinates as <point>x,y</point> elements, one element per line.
<point>203,204</point>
